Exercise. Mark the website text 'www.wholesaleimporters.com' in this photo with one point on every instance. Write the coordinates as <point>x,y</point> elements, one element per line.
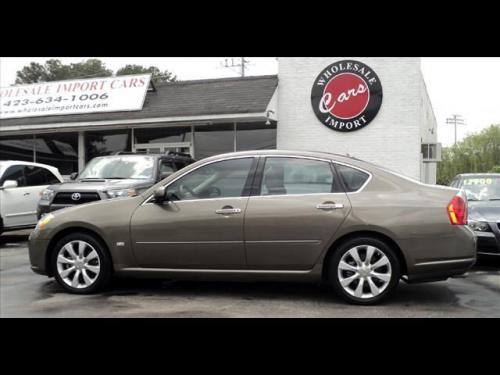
<point>58,108</point>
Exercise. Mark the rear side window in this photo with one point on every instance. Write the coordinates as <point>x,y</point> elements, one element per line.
<point>283,176</point>
<point>15,173</point>
<point>36,176</point>
<point>353,178</point>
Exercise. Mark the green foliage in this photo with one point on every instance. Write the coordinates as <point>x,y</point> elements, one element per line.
<point>156,74</point>
<point>477,153</point>
<point>55,70</point>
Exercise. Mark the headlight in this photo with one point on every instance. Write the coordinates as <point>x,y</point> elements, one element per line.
<point>121,193</point>
<point>479,226</point>
<point>42,223</point>
<point>47,195</point>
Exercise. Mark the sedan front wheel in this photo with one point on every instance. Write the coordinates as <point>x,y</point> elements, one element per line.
<point>81,264</point>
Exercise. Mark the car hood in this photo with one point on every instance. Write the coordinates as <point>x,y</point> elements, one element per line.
<point>484,210</point>
<point>101,185</point>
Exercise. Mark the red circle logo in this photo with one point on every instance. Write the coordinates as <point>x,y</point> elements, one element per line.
<point>346,96</point>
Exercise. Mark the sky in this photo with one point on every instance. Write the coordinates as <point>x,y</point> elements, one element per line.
<point>466,86</point>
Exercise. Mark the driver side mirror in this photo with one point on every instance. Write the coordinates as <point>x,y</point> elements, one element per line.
<point>73,176</point>
<point>160,194</point>
<point>9,184</point>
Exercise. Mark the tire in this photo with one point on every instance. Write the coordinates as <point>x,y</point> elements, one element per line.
<point>376,283</point>
<point>94,267</point>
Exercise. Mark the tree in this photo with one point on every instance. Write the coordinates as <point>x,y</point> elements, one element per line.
<point>156,74</point>
<point>477,153</point>
<point>55,70</point>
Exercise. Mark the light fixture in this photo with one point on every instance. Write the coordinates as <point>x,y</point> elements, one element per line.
<point>268,121</point>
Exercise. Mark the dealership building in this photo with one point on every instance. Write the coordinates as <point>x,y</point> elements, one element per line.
<point>375,109</point>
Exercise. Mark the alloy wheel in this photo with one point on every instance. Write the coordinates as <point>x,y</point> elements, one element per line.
<point>78,264</point>
<point>364,271</point>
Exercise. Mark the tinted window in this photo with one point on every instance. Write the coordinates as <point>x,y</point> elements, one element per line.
<point>353,178</point>
<point>297,176</point>
<point>166,167</point>
<point>103,143</point>
<point>19,147</point>
<point>255,136</point>
<point>217,180</point>
<point>59,150</point>
<point>36,176</point>
<point>14,173</point>
<point>215,139</point>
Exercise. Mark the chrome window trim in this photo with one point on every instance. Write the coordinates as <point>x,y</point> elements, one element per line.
<point>331,161</point>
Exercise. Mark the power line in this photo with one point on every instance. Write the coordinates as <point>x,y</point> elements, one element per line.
<point>455,120</point>
<point>241,66</point>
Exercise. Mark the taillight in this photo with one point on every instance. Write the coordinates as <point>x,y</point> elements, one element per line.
<point>457,211</point>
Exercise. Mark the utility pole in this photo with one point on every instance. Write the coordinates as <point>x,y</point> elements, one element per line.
<point>242,65</point>
<point>455,120</point>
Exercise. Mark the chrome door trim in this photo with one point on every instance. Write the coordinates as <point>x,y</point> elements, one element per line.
<point>208,271</point>
<point>452,261</point>
<point>317,242</point>
<point>21,214</point>
<point>184,242</point>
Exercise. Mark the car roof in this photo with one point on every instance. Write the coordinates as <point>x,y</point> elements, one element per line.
<point>8,163</point>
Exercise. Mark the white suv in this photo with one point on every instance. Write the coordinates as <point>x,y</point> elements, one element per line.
<point>21,184</point>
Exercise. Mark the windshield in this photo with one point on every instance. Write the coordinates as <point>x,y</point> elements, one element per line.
<point>119,167</point>
<point>484,188</point>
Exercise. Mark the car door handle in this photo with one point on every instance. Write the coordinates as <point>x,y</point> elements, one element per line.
<point>25,194</point>
<point>329,206</point>
<point>228,211</point>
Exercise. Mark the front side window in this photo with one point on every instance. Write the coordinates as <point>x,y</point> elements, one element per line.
<point>14,173</point>
<point>120,167</point>
<point>37,176</point>
<point>297,176</point>
<point>222,179</point>
<point>353,178</point>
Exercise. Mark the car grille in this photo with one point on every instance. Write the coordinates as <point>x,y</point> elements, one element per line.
<point>67,198</point>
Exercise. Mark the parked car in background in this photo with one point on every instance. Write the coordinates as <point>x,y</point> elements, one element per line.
<point>105,177</point>
<point>20,186</point>
<point>265,215</point>
<point>483,195</point>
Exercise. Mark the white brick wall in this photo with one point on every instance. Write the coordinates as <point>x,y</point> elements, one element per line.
<point>392,139</point>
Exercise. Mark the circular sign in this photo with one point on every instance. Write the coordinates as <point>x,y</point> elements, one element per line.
<point>346,96</point>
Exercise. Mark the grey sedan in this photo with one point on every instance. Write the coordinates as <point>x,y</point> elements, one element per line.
<point>265,215</point>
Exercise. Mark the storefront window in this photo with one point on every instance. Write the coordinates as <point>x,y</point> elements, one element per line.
<point>255,136</point>
<point>163,135</point>
<point>211,140</point>
<point>18,147</point>
<point>106,143</point>
<point>59,150</point>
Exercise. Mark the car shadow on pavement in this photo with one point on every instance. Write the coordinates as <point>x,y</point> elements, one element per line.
<point>7,239</point>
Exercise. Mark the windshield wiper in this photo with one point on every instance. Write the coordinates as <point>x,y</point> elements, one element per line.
<point>495,199</point>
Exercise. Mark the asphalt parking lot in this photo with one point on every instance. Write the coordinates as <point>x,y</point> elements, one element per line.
<point>25,294</point>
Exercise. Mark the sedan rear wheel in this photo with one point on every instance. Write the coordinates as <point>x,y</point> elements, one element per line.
<point>364,270</point>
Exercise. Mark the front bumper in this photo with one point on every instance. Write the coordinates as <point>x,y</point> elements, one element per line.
<point>37,253</point>
<point>488,243</point>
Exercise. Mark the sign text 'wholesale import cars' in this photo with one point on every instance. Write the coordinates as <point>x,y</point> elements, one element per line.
<point>346,95</point>
<point>110,94</point>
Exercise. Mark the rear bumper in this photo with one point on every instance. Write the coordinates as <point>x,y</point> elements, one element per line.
<point>444,256</point>
<point>440,270</point>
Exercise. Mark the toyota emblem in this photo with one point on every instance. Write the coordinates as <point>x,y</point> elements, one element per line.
<point>76,196</point>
